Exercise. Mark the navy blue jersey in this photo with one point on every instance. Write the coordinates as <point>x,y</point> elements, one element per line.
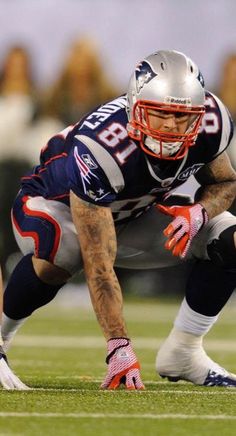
<point>98,161</point>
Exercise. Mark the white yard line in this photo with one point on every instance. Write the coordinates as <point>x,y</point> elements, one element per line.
<point>115,416</point>
<point>99,342</point>
<point>207,392</point>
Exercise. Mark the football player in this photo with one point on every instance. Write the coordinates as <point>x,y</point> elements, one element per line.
<point>103,195</point>
<point>8,379</point>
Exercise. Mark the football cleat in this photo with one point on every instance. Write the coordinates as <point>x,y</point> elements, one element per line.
<point>215,379</point>
<point>182,357</point>
<point>8,380</point>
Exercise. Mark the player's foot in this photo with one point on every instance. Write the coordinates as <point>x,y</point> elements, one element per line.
<point>8,380</point>
<point>182,357</point>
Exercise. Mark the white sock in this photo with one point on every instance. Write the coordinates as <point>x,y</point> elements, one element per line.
<point>9,329</point>
<point>193,322</point>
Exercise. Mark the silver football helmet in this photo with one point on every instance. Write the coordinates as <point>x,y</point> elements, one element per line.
<point>166,82</point>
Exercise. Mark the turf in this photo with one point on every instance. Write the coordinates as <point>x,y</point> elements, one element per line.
<point>60,353</point>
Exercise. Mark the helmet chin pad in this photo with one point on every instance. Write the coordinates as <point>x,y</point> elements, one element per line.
<point>166,149</point>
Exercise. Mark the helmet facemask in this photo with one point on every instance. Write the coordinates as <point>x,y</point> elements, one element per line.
<point>164,144</point>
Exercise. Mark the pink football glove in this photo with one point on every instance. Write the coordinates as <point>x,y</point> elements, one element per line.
<point>181,231</point>
<point>123,366</point>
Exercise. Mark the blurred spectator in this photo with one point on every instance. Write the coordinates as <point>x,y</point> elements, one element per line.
<point>15,76</point>
<point>227,88</point>
<point>17,101</point>
<point>23,129</point>
<point>81,86</point>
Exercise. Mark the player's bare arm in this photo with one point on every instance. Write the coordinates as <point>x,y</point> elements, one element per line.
<point>97,238</point>
<point>218,180</point>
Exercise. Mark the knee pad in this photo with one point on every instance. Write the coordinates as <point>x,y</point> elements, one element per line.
<point>222,251</point>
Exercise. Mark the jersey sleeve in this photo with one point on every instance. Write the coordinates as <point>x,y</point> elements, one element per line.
<point>217,126</point>
<point>87,178</point>
<point>227,126</point>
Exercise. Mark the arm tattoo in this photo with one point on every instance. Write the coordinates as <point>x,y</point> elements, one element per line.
<point>97,239</point>
<point>218,186</point>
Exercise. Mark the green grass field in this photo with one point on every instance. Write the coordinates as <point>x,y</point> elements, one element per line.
<point>60,353</point>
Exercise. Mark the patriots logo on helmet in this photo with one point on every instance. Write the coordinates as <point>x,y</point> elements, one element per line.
<point>143,74</point>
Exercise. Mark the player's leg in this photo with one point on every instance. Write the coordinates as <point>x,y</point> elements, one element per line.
<point>47,238</point>
<point>8,380</point>
<point>140,242</point>
<point>210,285</point>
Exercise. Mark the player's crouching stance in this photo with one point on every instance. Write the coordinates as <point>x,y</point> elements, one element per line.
<point>92,203</point>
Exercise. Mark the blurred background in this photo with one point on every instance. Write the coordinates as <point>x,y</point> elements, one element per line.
<point>60,58</point>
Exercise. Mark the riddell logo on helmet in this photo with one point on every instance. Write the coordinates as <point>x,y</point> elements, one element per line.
<point>178,100</point>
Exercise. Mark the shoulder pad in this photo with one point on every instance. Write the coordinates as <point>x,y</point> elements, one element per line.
<point>106,162</point>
